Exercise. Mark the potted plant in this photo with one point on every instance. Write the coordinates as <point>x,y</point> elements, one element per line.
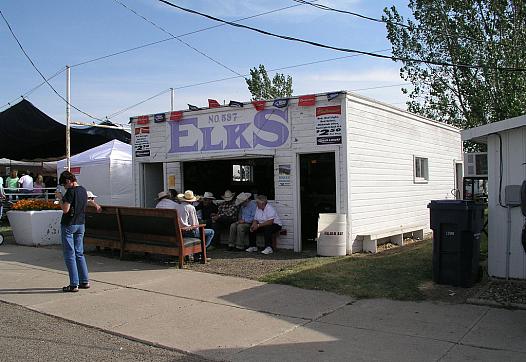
<point>35,222</point>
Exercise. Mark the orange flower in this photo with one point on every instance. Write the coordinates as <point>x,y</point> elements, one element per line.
<point>34,205</point>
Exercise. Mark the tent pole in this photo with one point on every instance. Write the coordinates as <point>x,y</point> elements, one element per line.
<point>68,119</point>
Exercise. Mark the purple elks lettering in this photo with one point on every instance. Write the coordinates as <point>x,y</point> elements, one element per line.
<point>176,133</point>
<point>207,140</point>
<point>262,123</point>
<point>235,132</point>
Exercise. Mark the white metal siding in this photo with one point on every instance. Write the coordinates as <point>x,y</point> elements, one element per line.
<point>382,143</point>
<point>514,173</point>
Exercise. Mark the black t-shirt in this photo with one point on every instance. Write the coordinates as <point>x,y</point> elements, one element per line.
<point>78,198</point>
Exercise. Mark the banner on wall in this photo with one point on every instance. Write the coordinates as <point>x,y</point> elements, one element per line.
<point>141,144</point>
<point>329,125</point>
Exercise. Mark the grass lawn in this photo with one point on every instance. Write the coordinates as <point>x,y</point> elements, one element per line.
<point>398,273</point>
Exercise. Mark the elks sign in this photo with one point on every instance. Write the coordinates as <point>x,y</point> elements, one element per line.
<point>232,130</point>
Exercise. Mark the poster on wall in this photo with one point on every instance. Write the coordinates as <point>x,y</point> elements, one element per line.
<point>284,175</point>
<point>329,125</point>
<point>141,146</point>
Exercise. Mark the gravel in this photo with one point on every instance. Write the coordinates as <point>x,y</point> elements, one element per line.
<point>511,293</point>
<point>239,264</point>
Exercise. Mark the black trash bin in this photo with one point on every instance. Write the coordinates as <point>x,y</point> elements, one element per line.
<point>456,225</point>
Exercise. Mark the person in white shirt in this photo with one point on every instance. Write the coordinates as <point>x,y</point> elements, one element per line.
<point>267,221</point>
<point>2,197</point>
<point>25,183</point>
<point>188,217</point>
<point>164,201</point>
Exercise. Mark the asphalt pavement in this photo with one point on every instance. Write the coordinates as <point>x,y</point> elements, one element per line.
<point>227,318</point>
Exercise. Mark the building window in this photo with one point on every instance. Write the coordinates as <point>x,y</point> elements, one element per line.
<point>242,173</point>
<point>421,172</point>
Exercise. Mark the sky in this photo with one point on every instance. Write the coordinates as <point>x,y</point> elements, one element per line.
<point>57,33</point>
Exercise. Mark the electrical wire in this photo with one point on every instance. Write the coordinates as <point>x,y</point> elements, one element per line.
<point>347,50</point>
<point>137,104</point>
<point>328,8</point>
<point>243,76</point>
<point>162,41</point>
<point>181,35</point>
<point>177,38</point>
<point>60,71</point>
<point>42,75</point>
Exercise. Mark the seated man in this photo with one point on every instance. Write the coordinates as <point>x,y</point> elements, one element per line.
<point>188,217</point>
<point>239,229</point>
<point>164,201</point>
<point>267,221</point>
<point>208,209</point>
<point>226,215</point>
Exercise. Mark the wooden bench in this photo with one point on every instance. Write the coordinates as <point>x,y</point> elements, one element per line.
<point>133,229</point>
<point>396,236</point>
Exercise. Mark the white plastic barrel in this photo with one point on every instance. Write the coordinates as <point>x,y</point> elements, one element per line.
<point>332,234</point>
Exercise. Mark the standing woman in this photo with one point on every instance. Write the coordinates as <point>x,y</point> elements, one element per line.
<point>73,206</point>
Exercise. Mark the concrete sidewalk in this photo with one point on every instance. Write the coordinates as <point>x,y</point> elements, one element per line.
<point>226,318</point>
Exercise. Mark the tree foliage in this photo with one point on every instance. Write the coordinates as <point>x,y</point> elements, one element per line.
<point>489,33</point>
<point>261,87</point>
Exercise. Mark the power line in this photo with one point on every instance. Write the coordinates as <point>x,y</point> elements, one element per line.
<point>60,71</point>
<point>39,72</point>
<point>181,35</point>
<point>347,50</point>
<point>177,38</point>
<point>158,42</point>
<point>328,8</point>
<point>240,76</point>
<point>137,104</point>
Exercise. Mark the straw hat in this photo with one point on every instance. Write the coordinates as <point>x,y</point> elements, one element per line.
<point>242,197</point>
<point>188,196</point>
<point>208,195</point>
<point>91,195</point>
<point>228,195</point>
<point>160,195</point>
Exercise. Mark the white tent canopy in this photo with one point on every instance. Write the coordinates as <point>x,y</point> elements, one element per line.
<point>105,170</point>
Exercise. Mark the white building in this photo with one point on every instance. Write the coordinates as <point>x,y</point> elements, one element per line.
<point>335,152</point>
<point>506,142</point>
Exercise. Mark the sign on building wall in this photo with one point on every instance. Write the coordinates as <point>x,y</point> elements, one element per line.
<point>240,129</point>
<point>329,125</point>
<point>284,175</point>
<point>141,144</point>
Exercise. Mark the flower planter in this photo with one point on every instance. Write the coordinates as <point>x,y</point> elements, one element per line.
<point>35,227</point>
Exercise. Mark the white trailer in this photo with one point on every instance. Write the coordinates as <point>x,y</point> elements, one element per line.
<point>326,153</point>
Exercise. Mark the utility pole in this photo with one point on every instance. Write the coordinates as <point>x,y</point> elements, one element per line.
<point>172,97</point>
<point>68,119</point>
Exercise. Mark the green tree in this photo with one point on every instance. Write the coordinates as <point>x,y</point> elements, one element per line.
<point>489,33</point>
<point>261,87</point>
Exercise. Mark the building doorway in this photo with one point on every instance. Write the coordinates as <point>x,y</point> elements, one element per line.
<point>317,193</point>
<point>152,183</point>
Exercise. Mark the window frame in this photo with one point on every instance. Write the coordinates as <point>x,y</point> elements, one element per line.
<point>420,164</point>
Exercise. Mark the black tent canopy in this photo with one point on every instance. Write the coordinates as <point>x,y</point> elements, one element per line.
<point>28,134</point>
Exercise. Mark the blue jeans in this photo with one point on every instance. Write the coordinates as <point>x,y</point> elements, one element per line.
<point>209,235</point>
<point>73,248</point>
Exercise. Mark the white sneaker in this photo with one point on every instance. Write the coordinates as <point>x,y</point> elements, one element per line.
<point>268,250</point>
<point>252,249</point>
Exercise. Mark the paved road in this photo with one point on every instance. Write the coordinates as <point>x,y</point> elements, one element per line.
<point>26,335</point>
